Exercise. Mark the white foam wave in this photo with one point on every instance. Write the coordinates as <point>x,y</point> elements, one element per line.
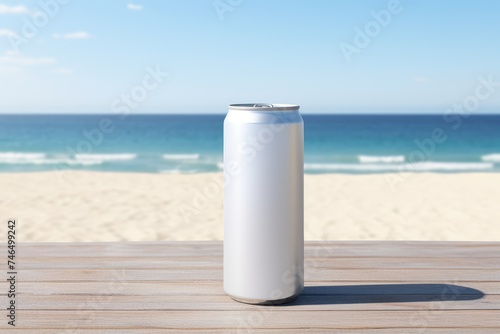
<point>351,167</point>
<point>181,156</point>
<point>495,157</point>
<point>20,158</point>
<point>416,167</point>
<point>47,161</point>
<point>177,171</point>
<point>384,159</point>
<point>72,162</point>
<point>450,166</point>
<point>105,157</point>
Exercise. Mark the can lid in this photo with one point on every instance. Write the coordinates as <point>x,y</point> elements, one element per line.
<point>263,106</point>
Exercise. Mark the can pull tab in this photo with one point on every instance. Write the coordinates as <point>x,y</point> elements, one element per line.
<point>267,105</point>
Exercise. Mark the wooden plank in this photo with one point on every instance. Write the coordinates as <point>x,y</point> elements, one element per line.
<point>215,274</point>
<point>306,302</point>
<point>261,317</point>
<point>400,249</point>
<point>160,288</point>
<point>203,244</point>
<point>265,331</point>
<point>216,262</point>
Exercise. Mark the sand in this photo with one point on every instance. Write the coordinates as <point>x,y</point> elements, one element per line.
<point>97,206</point>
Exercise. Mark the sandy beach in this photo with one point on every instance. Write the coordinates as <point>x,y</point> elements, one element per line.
<point>98,206</point>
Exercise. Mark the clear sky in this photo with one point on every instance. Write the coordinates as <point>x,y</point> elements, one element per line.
<point>327,56</point>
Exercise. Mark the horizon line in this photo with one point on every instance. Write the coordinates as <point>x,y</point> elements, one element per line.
<point>223,114</point>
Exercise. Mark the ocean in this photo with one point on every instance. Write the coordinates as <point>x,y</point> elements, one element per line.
<point>355,144</point>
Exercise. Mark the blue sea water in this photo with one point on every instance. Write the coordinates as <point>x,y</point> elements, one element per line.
<point>193,143</point>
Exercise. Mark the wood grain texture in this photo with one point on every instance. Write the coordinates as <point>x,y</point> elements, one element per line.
<point>366,287</point>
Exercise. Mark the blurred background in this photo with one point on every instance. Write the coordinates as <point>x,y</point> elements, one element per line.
<point>111,114</point>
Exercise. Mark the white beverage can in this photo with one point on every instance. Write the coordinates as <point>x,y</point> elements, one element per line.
<point>263,203</point>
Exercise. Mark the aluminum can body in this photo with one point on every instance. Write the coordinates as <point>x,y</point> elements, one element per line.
<point>263,203</point>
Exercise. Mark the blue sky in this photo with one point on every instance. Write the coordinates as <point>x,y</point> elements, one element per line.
<point>85,56</point>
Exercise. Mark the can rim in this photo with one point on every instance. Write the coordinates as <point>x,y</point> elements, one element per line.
<point>263,106</point>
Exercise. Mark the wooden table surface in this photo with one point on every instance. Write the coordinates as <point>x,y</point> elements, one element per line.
<point>155,287</point>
